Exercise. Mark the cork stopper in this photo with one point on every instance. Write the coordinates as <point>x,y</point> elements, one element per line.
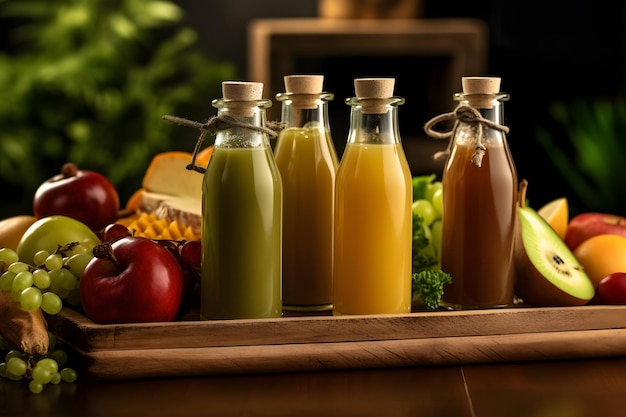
<point>242,91</point>
<point>376,91</point>
<point>482,88</point>
<point>306,88</point>
<point>304,84</point>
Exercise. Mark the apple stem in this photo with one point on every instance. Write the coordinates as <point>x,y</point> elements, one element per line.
<point>105,251</point>
<point>523,186</point>
<point>69,169</point>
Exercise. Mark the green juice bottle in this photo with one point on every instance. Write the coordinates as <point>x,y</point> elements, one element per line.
<point>242,213</point>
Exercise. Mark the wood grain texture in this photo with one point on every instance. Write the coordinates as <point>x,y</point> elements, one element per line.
<point>290,344</point>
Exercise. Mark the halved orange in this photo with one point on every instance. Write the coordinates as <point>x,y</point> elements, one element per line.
<point>202,159</point>
<point>556,213</point>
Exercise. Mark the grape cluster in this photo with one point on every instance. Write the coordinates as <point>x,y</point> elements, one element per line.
<point>39,371</point>
<point>47,279</point>
<point>427,204</point>
<point>44,282</point>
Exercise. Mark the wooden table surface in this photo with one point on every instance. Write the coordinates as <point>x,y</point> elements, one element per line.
<point>572,388</point>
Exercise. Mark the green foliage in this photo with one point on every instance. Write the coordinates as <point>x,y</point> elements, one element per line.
<point>422,252</point>
<point>89,80</point>
<point>591,158</point>
<point>427,288</point>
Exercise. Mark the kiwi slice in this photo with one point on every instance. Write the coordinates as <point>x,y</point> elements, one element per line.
<point>547,272</point>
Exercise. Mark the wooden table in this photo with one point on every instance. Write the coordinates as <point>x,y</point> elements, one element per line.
<point>574,388</point>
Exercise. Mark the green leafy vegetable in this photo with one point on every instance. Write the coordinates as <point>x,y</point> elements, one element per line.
<point>424,254</point>
<point>427,287</point>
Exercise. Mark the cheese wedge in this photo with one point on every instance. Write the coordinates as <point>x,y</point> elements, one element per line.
<point>167,174</point>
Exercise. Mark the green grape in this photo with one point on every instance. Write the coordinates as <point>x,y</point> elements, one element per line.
<point>14,354</point>
<point>49,364</point>
<point>14,377</point>
<point>431,189</point>
<point>41,279</point>
<point>79,249</point>
<point>60,356</point>
<point>35,387</point>
<point>78,262</point>
<point>40,257</point>
<point>68,375</point>
<point>30,298</point>
<point>6,281</point>
<point>52,341</point>
<point>8,256</point>
<point>17,366</point>
<point>54,262</point>
<point>437,200</point>
<point>56,278</point>
<point>41,374</point>
<point>56,378</point>
<point>425,210</point>
<point>18,267</point>
<point>3,370</point>
<point>70,281</point>
<point>22,281</point>
<point>51,303</point>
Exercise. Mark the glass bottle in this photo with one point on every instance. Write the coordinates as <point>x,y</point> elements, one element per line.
<point>307,160</point>
<point>373,220</point>
<point>241,214</point>
<point>479,205</point>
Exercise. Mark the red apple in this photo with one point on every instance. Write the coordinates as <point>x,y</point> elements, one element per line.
<point>611,289</point>
<point>84,195</point>
<point>133,280</point>
<point>586,225</point>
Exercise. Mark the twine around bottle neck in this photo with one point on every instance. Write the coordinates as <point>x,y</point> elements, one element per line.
<point>216,124</point>
<point>468,115</point>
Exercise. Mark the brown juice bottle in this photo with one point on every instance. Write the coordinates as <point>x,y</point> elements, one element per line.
<point>479,205</point>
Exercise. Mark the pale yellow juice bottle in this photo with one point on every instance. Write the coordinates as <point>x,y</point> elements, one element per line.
<point>308,162</point>
<point>373,219</point>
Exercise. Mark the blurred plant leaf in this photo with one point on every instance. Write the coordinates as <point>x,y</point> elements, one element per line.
<point>88,81</point>
<point>594,132</point>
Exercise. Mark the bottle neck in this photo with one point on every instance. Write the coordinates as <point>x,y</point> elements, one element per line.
<point>305,110</point>
<point>246,113</point>
<point>490,108</point>
<point>374,124</point>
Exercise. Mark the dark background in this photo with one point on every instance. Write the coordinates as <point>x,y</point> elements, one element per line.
<point>544,51</point>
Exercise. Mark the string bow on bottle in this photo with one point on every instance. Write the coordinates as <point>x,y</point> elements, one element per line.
<point>463,114</point>
<point>216,124</point>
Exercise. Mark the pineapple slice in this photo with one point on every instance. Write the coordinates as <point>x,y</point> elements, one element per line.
<point>150,226</point>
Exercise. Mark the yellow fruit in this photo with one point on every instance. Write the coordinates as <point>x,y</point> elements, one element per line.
<point>150,226</point>
<point>12,229</point>
<point>556,213</point>
<point>602,255</point>
<point>167,174</point>
<point>202,159</point>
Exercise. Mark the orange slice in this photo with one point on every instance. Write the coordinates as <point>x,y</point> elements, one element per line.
<point>556,213</point>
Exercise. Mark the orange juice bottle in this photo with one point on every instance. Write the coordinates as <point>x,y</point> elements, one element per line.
<point>373,220</point>
<point>241,213</point>
<point>307,161</point>
<point>479,205</point>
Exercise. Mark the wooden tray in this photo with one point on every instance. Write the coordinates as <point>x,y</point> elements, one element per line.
<point>194,347</point>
